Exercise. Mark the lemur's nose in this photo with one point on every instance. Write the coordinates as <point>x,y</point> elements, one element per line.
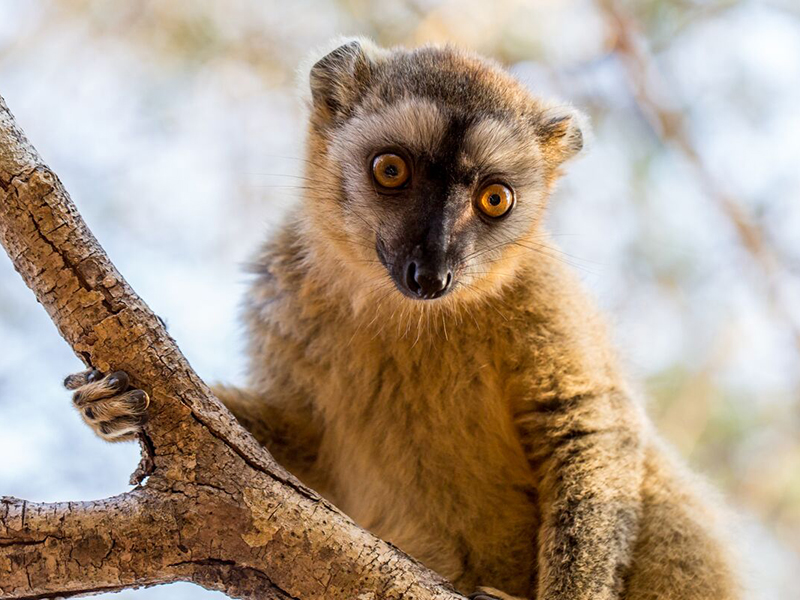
<point>425,282</point>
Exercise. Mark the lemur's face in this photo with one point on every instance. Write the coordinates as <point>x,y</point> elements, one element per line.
<point>439,164</point>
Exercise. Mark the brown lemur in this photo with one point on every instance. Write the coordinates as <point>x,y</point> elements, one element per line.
<point>419,357</point>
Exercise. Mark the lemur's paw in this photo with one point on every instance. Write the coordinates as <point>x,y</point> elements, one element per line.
<point>487,593</point>
<point>114,412</point>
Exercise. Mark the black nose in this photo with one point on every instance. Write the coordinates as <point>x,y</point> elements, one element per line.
<point>427,283</point>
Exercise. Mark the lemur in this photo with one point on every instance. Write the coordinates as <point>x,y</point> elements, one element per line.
<point>419,357</point>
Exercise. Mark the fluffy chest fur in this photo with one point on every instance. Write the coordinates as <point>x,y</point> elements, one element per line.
<point>421,450</point>
<point>419,445</point>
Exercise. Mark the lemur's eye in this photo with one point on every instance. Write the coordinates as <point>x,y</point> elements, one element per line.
<point>390,170</point>
<point>495,200</point>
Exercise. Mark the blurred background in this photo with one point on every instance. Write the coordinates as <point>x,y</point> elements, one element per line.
<point>176,126</point>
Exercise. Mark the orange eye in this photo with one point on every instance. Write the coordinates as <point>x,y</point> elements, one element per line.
<point>495,200</point>
<point>390,170</point>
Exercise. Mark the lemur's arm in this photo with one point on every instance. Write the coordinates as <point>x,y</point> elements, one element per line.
<point>289,431</point>
<point>587,455</point>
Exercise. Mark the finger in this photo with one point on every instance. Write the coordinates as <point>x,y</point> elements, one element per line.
<point>119,429</point>
<point>76,380</point>
<point>104,388</point>
<point>132,403</point>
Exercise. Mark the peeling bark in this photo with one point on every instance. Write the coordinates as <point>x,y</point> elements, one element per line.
<point>216,509</point>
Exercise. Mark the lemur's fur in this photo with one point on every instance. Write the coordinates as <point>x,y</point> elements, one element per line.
<point>490,432</point>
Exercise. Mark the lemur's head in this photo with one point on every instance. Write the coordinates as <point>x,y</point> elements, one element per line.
<point>431,166</point>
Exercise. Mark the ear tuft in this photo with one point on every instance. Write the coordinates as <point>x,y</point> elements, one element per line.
<point>338,80</point>
<point>563,131</point>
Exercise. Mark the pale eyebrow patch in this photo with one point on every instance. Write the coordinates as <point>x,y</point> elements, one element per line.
<point>491,145</point>
<point>416,124</point>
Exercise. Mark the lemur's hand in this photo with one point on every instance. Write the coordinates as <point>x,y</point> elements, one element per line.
<point>114,412</point>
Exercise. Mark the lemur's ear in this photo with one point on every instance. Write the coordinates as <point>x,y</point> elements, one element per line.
<point>339,79</point>
<point>562,131</point>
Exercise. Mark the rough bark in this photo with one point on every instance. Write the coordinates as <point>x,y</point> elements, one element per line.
<point>214,507</point>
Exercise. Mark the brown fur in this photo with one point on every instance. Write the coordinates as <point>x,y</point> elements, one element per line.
<point>489,433</point>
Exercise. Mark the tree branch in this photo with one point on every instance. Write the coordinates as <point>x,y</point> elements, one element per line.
<point>216,509</point>
<point>103,545</point>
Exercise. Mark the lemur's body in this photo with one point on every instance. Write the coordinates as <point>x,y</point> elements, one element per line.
<point>486,431</point>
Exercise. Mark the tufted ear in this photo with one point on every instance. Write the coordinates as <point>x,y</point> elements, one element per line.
<point>338,80</point>
<point>562,131</point>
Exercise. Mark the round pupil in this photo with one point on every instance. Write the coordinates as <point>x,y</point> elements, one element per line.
<point>494,199</point>
<point>391,171</point>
